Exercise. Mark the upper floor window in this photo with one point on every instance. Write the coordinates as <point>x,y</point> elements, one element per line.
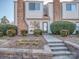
<point>34,6</point>
<point>71,7</point>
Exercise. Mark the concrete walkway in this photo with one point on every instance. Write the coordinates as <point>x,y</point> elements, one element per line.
<point>58,48</point>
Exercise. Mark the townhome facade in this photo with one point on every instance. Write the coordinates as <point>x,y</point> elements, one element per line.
<point>33,15</point>
<point>30,14</point>
<point>69,11</point>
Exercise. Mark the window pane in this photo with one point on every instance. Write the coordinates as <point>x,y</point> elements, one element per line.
<point>37,6</point>
<point>68,7</point>
<point>31,6</point>
<point>73,7</point>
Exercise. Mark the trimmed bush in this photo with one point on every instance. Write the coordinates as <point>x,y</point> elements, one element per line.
<point>5,27</point>
<point>1,32</point>
<point>64,33</point>
<point>11,32</point>
<point>57,26</point>
<point>24,32</point>
<point>37,32</point>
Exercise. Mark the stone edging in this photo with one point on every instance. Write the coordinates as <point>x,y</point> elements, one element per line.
<point>72,44</point>
<point>74,48</point>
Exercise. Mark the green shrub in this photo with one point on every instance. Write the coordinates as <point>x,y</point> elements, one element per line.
<point>11,32</point>
<point>57,26</point>
<point>64,33</point>
<point>1,32</point>
<point>37,32</point>
<point>5,27</point>
<point>24,32</point>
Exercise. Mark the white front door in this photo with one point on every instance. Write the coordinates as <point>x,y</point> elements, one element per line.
<point>45,27</point>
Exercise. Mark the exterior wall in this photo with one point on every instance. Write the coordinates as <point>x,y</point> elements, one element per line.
<point>70,14</point>
<point>50,15</point>
<point>57,10</point>
<point>32,14</point>
<point>35,13</point>
<point>15,13</point>
<point>54,10</point>
<point>76,0</point>
<point>50,11</point>
<point>40,23</point>
<point>22,25</point>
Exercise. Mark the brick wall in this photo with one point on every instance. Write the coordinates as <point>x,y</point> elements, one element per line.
<point>21,16</point>
<point>57,10</point>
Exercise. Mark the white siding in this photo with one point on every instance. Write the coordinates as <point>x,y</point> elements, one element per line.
<point>35,13</point>
<point>70,14</point>
<point>50,11</point>
<point>15,13</point>
<point>50,14</point>
<point>31,26</point>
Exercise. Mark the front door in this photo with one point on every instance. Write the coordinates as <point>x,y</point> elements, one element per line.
<point>45,27</point>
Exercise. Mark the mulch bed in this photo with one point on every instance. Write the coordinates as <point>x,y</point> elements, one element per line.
<point>12,43</point>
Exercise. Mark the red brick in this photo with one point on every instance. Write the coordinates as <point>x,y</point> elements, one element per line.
<point>57,10</point>
<point>21,16</point>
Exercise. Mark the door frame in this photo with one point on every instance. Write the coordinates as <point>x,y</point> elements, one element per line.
<point>43,26</point>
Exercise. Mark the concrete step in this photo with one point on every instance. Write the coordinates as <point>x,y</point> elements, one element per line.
<point>56,44</point>
<point>51,40</point>
<point>55,41</point>
<point>63,57</point>
<point>59,48</point>
<point>61,53</point>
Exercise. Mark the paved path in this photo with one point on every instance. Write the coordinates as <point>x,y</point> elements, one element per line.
<point>58,48</point>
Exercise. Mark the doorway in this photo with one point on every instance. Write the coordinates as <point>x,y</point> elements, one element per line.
<point>45,27</point>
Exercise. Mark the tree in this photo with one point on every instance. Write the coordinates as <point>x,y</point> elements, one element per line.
<point>4,20</point>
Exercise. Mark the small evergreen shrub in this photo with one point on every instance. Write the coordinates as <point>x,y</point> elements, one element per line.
<point>24,32</point>
<point>1,34</point>
<point>11,32</point>
<point>5,27</point>
<point>64,33</point>
<point>37,32</point>
<point>57,26</point>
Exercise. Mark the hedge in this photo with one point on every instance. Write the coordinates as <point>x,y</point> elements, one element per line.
<point>24,32</point>
<point>11,32</point>
<point>5,27</point>
<point>38,32</point>
<point>57,26</point>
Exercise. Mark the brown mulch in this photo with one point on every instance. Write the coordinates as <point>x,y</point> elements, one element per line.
<point>11,43</point>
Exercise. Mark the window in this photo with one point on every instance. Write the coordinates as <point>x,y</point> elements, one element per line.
<point>70,7</point>
<point>34,6</point>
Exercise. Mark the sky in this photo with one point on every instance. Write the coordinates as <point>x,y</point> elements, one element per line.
<point>7,8</point>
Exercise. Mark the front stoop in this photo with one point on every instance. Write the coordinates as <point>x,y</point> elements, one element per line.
<point>58,48</point>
